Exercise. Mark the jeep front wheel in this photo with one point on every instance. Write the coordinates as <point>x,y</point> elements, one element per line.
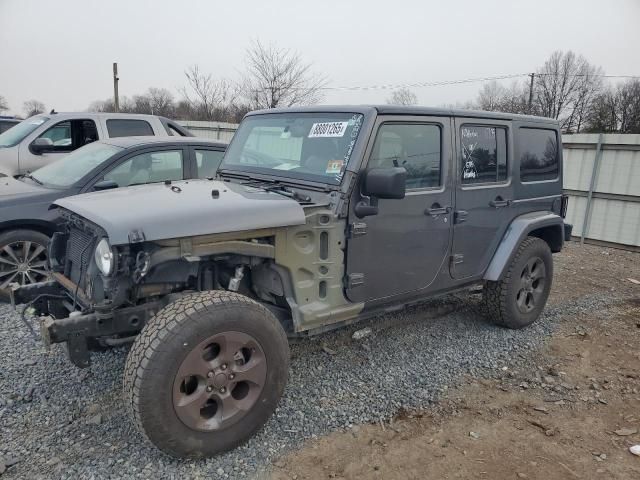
<point>519,298</point>
<point>206,373</point>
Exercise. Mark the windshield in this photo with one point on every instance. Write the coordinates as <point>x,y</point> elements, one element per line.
<point>14,135</point>
<point>71,168</point>
<point>308,146</point>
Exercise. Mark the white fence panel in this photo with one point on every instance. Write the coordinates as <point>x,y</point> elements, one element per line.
<point>602,179</point>
<point>213,130</point>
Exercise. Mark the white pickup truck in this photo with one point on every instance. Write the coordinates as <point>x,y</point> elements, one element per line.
<point>41,139</point>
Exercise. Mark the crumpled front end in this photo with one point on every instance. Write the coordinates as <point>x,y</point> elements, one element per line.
<point>79,305</point>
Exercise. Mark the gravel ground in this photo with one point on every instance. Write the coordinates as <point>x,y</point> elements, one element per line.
<point>61,422</point>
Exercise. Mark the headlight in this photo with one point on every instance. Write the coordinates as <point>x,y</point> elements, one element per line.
<point>104,257</point>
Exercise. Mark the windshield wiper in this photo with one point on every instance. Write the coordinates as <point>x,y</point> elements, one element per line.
<point>31,177</point>
<point>271,186</point>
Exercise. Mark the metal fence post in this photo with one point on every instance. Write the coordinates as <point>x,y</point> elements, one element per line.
<point>594,178</point>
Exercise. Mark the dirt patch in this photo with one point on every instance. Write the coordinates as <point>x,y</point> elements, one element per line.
<point>572,414</point>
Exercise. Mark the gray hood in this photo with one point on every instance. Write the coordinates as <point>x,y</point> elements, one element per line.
<point>183,209</point>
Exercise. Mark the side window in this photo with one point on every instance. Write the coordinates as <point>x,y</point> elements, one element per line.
<point>484,154</point>
<point>88,132</point>
<point>128,128</point>
<point>539,154</point>
<point>71,134</point>
<point>416,147</point>
<point>60,136</point>
<point>208,162</point>
<point>148,167</point>
<point>4,126</point>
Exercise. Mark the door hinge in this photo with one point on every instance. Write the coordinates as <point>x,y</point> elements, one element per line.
<point>355,280</point>
<point>457,258</point>
<point>358,229</point>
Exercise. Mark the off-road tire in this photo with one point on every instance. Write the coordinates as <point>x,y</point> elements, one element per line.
<point>163,344</point>
<point>500,296</point>
<point>13,236</point>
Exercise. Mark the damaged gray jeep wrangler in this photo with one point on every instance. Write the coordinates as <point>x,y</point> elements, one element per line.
<point>318,217</point>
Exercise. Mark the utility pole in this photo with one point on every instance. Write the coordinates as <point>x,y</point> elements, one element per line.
<point>116,102</point>
<point>532,75</point>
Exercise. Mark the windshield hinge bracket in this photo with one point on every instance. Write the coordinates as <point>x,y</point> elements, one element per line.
<point>358,229</point>
<point>355,280</point>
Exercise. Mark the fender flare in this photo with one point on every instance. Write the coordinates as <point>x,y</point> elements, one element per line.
<point>517,231</point>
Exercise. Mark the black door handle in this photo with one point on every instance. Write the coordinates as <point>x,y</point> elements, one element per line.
<point>499,202</point>
<point>436,209</point>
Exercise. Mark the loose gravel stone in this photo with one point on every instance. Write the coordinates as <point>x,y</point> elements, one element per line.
<point>405,363</point>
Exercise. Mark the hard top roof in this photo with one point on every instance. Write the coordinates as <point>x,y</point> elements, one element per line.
<point>406,110</point>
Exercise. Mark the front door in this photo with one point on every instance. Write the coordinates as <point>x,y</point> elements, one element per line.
<point>484,193</point>
<point>66,136</point>
<point>402,248</point>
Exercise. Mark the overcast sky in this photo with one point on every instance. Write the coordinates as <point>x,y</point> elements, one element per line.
<point>61,52</point>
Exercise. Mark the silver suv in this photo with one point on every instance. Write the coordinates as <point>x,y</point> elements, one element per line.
<point>41,139</point>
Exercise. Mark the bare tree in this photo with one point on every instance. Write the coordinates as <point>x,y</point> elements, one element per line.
<point>402,96</point>
<point>156,101</point>
<point>616,109</point>
<point>108,106</point>
<point>3,104</point>
<point>33,107</point>
<point>491,96</point>
<point>161,101</point>
<point>208,98</point>
<point>494,96</point>
<point>278,77</point>
<point>628,99</point>
<point>564,88</point>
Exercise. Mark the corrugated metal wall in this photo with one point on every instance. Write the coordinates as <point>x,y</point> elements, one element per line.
<point>602,178</point>
<point>214,130</point>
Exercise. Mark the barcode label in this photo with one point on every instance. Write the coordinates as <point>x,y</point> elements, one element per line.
<point>328,129</point>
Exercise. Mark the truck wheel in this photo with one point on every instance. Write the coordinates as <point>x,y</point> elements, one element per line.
<point>517,300</point>
<point>23,258</point>
<point>206,373</point>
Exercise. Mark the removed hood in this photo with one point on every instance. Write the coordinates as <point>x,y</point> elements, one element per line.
<point>183,209</point>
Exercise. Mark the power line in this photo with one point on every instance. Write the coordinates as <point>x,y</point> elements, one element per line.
<point>424,84</point>
<point>457,82</point>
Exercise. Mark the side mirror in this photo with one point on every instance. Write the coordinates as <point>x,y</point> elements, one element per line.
<point>40,145</point>
<point>386,183</point>
<point>105,185</point>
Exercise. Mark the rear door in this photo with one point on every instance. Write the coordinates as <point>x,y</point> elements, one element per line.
<point>402,248</point>
<point>484,193</point>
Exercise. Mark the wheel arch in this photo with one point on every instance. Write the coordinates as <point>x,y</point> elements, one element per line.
<point>40,226</point>
<point>544,225</point>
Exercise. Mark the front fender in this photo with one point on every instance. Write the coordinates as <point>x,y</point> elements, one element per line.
<point>517,231</point>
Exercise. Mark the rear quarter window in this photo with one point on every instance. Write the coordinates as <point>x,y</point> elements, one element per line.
<point>129,128</point>
<point>538,155</point>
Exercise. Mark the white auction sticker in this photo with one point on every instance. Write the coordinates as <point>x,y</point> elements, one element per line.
<point>328,129</point>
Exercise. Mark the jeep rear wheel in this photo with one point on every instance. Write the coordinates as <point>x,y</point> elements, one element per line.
<point>206,373</point>
<point>519,298</point>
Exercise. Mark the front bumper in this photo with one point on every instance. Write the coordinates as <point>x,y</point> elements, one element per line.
<point>77,328</point>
